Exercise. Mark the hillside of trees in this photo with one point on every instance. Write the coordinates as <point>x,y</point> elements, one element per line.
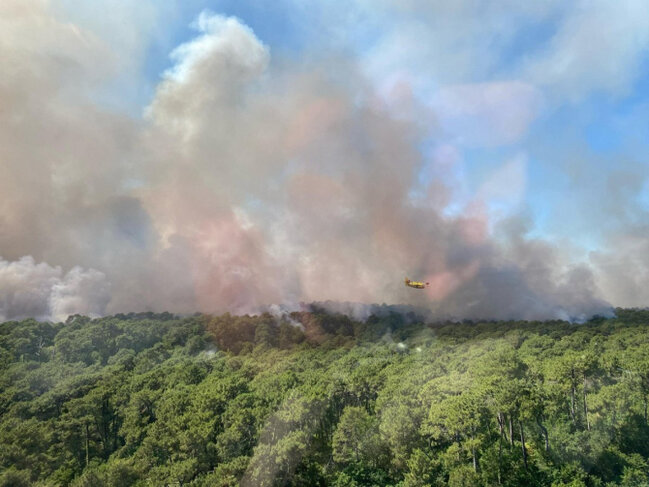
<point>315,399</point>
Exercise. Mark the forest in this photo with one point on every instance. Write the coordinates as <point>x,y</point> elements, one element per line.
<point>316,398</point>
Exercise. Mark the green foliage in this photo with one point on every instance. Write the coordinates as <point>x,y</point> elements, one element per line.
<point>463,476</point>
<point>356,439</point>
<point>319,399</point>
<point>15,478</point>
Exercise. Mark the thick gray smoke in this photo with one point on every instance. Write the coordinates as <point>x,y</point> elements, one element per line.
<point>250,182</point>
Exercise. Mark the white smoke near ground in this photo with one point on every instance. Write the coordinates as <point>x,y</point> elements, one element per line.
<point>282,313</point>
<point>28,289</point>
<point>249,183</point>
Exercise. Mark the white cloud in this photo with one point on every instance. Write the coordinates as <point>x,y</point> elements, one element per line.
<point>447,43</point>
<point>504,190</point>
<point>583,47</point>
<point>598,47</point>
<point>487,114</point>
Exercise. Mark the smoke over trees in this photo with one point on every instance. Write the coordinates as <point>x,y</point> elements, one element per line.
<point>254,180</point>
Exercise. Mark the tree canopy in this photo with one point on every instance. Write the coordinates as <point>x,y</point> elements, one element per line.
<point>314,398</point>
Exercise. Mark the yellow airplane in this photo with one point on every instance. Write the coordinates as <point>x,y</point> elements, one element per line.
<point>415,284</point>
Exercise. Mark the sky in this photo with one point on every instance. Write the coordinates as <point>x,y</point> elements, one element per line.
<point>231,155</point>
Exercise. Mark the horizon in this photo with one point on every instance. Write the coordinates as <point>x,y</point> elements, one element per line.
<point>361,312</point>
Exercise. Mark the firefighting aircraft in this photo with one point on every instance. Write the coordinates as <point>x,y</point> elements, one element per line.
<point>415,284</point>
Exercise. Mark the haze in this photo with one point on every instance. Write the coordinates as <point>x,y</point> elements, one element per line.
<point>227,156</point>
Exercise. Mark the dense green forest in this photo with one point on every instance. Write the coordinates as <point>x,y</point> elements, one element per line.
<point>313,398</point>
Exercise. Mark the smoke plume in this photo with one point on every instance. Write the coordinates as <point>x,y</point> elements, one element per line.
<point>251,181</point>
